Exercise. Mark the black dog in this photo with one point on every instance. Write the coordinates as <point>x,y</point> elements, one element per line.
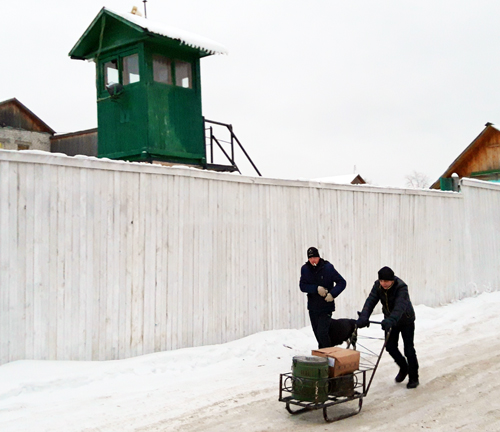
<point>343,330</point>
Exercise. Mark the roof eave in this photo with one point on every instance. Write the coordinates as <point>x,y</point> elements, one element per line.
<point>84,35</point>
<point>37,119</point>
<point>451,169</point>
<point>73,54</point>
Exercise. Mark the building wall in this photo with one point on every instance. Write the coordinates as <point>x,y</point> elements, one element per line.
<point>17,139</point>
<point>106,260</point>
<point>14,114</point>
<point>79,143</point>
<point>483,158</point>
<point>482,155</point>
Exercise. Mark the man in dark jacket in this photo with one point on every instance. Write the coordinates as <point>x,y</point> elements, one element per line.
<point>322,283</point>
<point>399,317</point>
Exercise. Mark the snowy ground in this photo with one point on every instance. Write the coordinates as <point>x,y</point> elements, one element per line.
<point>235,385</point>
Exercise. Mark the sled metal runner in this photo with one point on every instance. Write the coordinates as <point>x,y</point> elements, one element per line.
<point>338,392</point>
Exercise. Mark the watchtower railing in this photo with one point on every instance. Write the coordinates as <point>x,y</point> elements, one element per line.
<point>211,139</point>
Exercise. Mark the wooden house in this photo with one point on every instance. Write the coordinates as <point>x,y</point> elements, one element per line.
<point>75,143</point>
<point>480,160</point>
<point>21,129</point>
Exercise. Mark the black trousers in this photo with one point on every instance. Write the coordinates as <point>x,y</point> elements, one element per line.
<point>320,322</point>
<point>407,332</point>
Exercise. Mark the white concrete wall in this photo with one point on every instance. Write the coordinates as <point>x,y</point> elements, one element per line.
<point>107,260</point>
<point>10,139</point>
<point>482,227</point>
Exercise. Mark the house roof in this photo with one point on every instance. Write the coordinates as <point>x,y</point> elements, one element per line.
<point>101,35</point>
<point>342,179</point>
<point>489,129</point>
<point>74,134</point>
<point>14,114</point>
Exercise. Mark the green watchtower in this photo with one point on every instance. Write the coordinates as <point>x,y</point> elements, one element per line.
<point>148,88</point>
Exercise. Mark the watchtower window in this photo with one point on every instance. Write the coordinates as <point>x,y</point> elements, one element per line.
<point>183,74</point>
<point>111,73</point>
<point>131,69</point>
<point>162,67</point>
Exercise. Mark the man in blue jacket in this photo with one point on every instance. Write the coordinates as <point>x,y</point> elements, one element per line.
<point>322,283</point>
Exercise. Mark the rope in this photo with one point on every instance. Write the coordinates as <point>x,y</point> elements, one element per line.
<point>103,23</point>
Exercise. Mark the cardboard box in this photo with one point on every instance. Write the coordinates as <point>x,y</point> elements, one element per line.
<point>341,361</point>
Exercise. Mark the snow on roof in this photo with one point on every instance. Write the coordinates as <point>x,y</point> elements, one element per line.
<point>340,179</point>
<point>184,37</point>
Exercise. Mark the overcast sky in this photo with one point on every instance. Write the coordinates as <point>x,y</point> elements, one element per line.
<point>312,89</point>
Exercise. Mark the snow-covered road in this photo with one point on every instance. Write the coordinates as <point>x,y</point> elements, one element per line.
<point>235,385</point>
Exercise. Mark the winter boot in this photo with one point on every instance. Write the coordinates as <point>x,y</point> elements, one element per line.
<point>403,371</point>
<point>412,383</point>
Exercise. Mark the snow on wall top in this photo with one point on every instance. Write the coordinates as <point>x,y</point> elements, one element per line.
<point>340,179</point>
<point>184,37</point>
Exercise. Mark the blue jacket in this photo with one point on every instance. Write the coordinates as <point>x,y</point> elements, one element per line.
<point>325,275</point>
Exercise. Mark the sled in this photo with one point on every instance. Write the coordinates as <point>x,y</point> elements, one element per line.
<point>342,389</point>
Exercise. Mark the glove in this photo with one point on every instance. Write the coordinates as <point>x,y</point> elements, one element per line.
<point>329,298</point>
<point>322,291</point>
<point>386,324</point>
<point>362,321</point>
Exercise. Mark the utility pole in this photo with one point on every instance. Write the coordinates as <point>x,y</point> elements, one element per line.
<point>144,1</point>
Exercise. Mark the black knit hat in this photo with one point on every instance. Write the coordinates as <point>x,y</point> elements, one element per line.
<point>312,252</point>
<point>386,273</point>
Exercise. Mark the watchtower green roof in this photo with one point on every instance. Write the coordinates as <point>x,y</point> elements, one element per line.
<point>111,29</point>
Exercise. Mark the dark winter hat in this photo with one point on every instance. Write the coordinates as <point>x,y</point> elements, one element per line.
<point>385,273</point>
<point>312,252</point>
